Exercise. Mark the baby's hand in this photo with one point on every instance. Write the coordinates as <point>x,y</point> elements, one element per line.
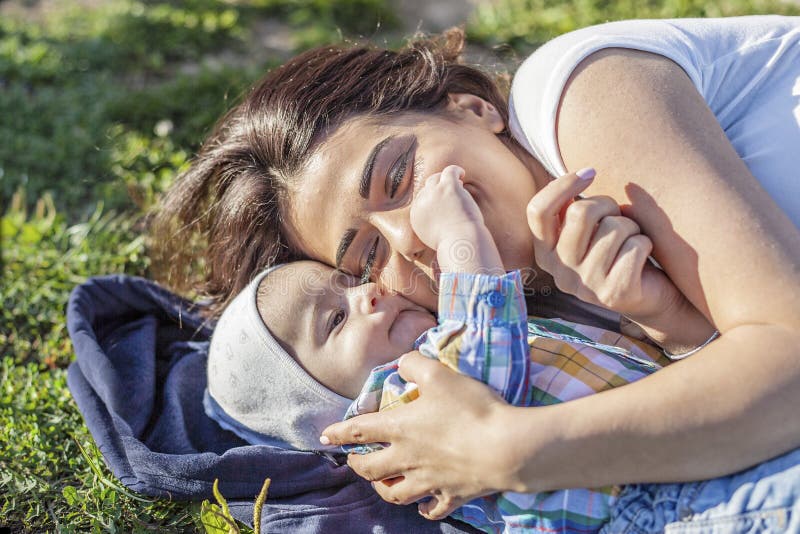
<point>443,209</point>
<point>594,252</point>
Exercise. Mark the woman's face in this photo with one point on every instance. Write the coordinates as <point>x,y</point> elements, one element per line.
<point>350,207</point>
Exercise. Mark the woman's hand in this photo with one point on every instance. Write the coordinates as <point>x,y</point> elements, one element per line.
<point>594,252</point>
<point>442,444</point>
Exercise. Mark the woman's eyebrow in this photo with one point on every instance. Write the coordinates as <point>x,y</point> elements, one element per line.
<point>363,190</point>
<point>366,174</point>
<point>344,244</point>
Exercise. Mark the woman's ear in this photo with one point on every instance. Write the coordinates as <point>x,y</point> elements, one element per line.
<point>474,108</point>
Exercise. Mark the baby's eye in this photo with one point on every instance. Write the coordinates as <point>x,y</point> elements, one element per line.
<point>338,317</point>
<point>334,319</point>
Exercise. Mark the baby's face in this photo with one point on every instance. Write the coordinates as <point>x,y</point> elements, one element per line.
<point>335,328</point>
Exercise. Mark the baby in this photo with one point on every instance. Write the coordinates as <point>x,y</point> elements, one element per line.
<point>305,345</point>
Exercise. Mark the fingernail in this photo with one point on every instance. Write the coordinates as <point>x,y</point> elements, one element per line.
<point>586,173</point>
<point>400,360</point>
<point>324,440</point>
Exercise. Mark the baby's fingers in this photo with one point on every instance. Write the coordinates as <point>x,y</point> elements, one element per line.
<point>451,173</point>
<point>545,208</point>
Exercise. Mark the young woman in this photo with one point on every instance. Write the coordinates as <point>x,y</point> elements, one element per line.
<point>693,129</point>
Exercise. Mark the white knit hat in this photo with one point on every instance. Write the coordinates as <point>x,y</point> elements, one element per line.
<point>256,389</point>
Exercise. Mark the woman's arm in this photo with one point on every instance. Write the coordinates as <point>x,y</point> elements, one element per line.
<point>661,154</point>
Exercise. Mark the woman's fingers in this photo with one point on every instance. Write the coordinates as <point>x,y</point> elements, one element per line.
<point>375,466</point>
<point>591,250</point>
<point>631,258</point>
<point>546,206</point>
<point>416,368</point>
<point>435,504</point>
<point>400,490</point>
<point>624,288</point>
<point>612,232</point>
<point>428,455</point>
<point>367,428</point>
<point>438,508</point>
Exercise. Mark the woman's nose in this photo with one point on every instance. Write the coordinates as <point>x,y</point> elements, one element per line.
<point>396,229</point>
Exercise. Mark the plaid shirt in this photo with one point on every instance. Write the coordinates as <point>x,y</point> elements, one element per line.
<point>484,332</point>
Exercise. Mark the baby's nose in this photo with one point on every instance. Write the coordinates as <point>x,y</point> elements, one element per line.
<point>367,296</point>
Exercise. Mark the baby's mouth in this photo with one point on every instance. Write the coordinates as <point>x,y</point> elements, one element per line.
<point>403,321</point>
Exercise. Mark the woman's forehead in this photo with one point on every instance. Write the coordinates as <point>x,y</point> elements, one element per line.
<point>352,136</point>
<point>324,195</point>
<point>320,206</point>
<point>359,133</point>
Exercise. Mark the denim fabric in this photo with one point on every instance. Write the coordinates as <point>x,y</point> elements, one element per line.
<point>762,499</point>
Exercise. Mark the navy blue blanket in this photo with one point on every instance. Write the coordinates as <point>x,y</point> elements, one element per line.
<point>139,380</point>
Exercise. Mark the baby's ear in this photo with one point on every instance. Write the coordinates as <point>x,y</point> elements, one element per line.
<point>475,109</point>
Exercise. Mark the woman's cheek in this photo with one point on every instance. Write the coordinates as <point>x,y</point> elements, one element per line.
<point>473,192</point>
<point>422,290</point>
<point>412,281</point>
<point>426,294</point>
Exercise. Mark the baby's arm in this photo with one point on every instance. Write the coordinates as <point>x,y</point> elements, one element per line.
<point>446,218</point>
<point>482,329</point>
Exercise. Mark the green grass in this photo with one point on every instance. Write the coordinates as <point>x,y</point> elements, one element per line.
<point>52,476</point>
<point>100,108</point>
<point>75,83</point>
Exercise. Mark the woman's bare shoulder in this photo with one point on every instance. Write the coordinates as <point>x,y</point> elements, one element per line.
<point>660,152</point>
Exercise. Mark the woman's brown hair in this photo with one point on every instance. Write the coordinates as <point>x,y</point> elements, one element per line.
<point>223,217</point>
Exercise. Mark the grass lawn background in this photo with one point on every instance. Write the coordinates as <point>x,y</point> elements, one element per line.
<point>101,104</point>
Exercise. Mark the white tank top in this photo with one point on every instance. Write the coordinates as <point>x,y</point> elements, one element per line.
<point>746,68</point>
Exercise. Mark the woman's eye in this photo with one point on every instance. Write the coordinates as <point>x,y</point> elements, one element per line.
<point>369,264</point>
<point>398,173</point>
<point>399,169</point>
